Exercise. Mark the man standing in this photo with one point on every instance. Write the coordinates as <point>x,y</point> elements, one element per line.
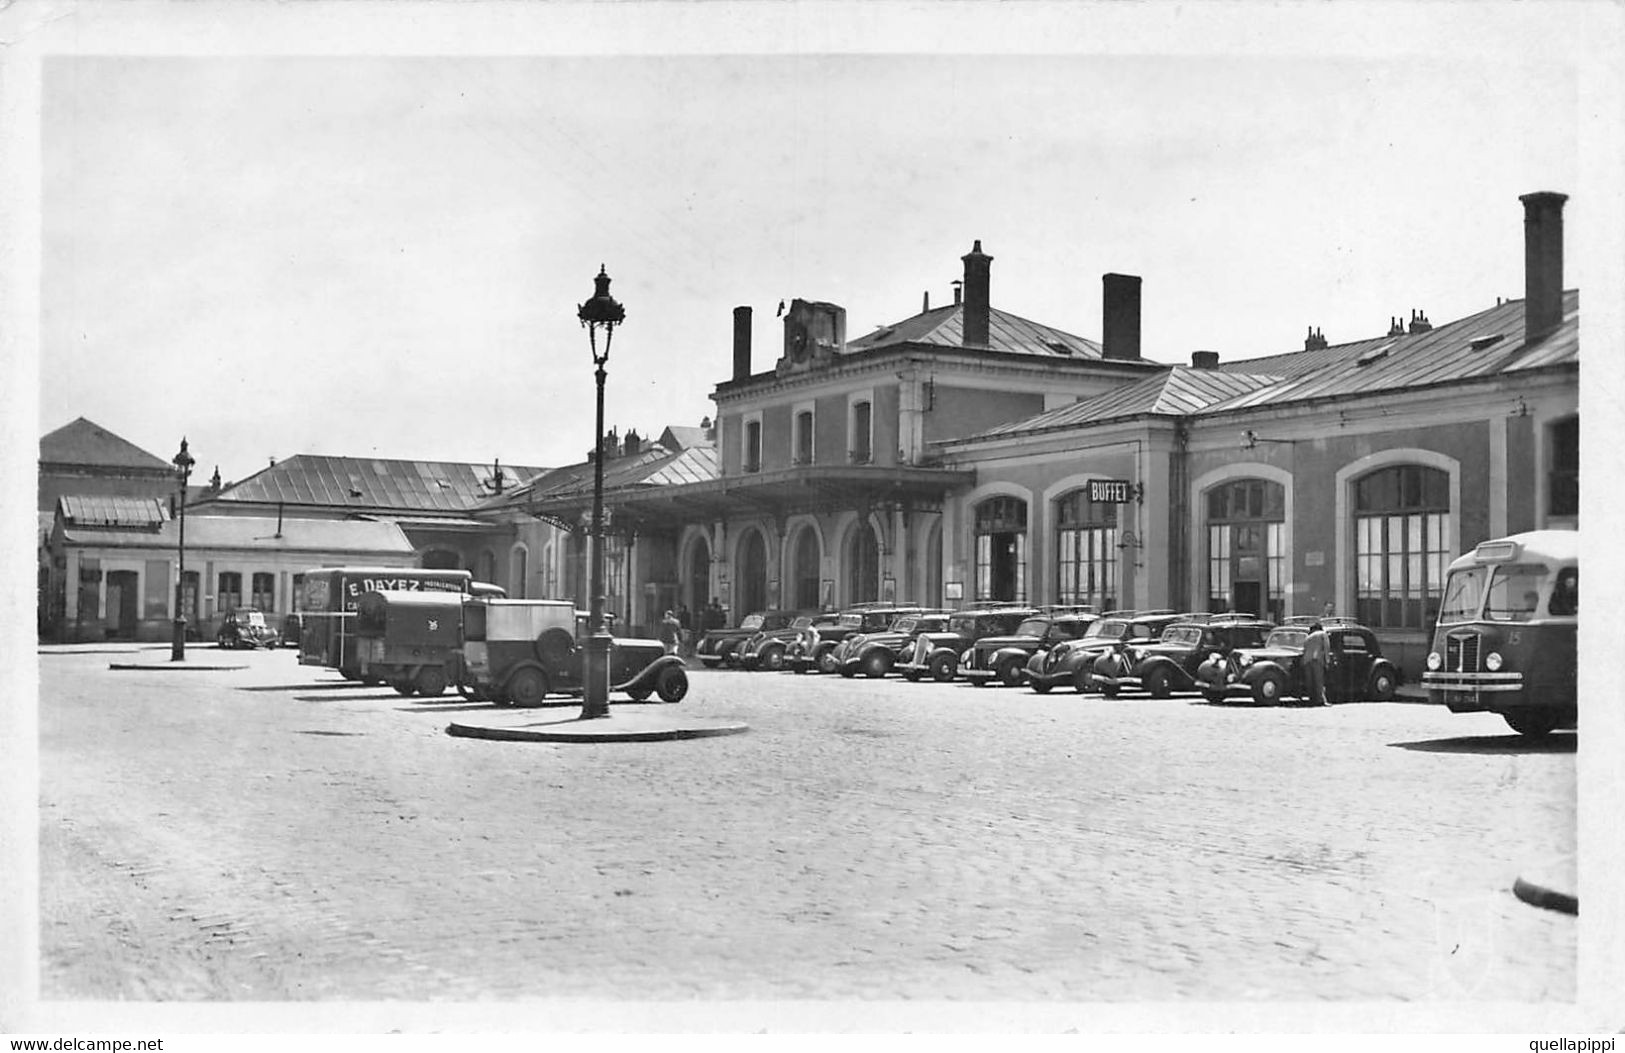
<point>1316,649</point>
<point>670,633</point>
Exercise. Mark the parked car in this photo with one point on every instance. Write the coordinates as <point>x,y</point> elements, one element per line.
<point>1355,667</point>
<point>721,646</point>
<point>874,654</point>
<point>1001,659</point>
<point>814,651</point>
<point>937,654</point>
<point>517,652</point>
<point>766,648</point>
<point>293,629</point>
<point>1169,663</point>
<point>1073,661</point>
<point>245,628</point>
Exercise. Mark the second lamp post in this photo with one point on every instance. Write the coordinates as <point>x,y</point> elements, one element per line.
<point>600,312</point>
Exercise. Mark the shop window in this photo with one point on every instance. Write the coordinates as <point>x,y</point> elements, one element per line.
<point>1564,486</point>
<point>1001,549</point>
<point>1401,529</point>
<point>264,594</point>
<point>228,595</point>
<point>1086,551</point>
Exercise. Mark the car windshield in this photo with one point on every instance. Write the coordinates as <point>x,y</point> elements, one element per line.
<point>802,622</point>
<point>1514,593</point>
<point>1182,634</point>
<point>251,618</point>
<point>852,620</point>
<point>1463,592</point>
<point>1107,629</point>
<point>905,624</point>
<point>964,626</point>
<point>752,622</point>
<point>1290,639</point>
<point>1032,627</point>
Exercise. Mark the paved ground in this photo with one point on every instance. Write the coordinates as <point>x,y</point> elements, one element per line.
<point>274,833</point>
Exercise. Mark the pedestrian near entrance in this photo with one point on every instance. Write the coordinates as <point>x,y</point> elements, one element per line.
<point>685,625</point>
<point>670,632</point>
<point>1316,650</point>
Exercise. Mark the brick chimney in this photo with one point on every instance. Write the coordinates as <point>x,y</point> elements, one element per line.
<point>1204,360</point>
<point>632,443</point>
<point>741,343</point>
<point>1542,264</point>
<point>1314,341</point>
<point>975,319</point>
<point>1419,322</point>
<point>1120,317</point>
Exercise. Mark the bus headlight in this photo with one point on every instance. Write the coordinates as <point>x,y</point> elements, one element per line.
<point>1434,661</point>
<point>1492,661</point>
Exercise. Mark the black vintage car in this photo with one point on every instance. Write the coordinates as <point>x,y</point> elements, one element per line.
<point>245,628</point>
<point>874,654</point>
<point>767,648</point>
<point>1073,661</point>
<point>1001,659</point>
<point>814,650</point>
<point>937,654</point>
<point>1355,667</point>
<point>721,646</point>
<point>1169,663</point>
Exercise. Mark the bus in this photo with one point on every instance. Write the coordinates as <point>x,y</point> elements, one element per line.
<point>1505,638</point>
<point>330,597</point>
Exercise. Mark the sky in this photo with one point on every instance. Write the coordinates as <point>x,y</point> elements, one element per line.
<point>382,254</point>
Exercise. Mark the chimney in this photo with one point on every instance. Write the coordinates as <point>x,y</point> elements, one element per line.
<point>1395,326</point>
<point>1204,360</point>
<point>958,291</point>
<point>975,319</point>
<point>1419,322</point>
<point>741,343</point>
<point>1314,341</point>
<point>709,428</point>
<point>1120,317</point>
<point>1542,264</point>
<point>632,443</point>
<point>925,304</point>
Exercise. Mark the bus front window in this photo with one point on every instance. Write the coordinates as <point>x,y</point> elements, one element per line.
<point>1565,601</point>
<point>1514,592</point>
<point>1462,593</point>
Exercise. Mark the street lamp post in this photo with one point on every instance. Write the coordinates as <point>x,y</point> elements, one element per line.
<point>600,312</point>
<point>177,649</point>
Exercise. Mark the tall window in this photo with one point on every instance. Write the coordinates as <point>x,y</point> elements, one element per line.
<point>264,595</point>
<point>862,442</point>
<point>1565,474</point>
<point>518,563</point>
<point>804,437</point>
<point>1401,528</point>
<point>1246,557</point>
<point>1086,551</point>
<point>229,595</point>
<point>753,445</point>
<point>297,602</point>
<point>1001,549</point>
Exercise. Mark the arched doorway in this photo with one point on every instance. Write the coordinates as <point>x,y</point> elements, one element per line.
<point>750,579</point>
<point>862,564</point>
<point>1246,554</point>
<point>697,582</point>
<point>1001,549</point>
<point>804,559</point>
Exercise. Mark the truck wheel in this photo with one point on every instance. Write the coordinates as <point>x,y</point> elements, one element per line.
<point>1009,672</point>
<point>431,681</point>
<point>1156,682</point>
<point>553,647</point>
<point>527,688</point>
<point>1532,723</point>
<point>403,685</point>
<point>672,684</point>
<point>943,667</point>
<point>877,665</point>
<point>1268,689</point>
<point>640,695</point>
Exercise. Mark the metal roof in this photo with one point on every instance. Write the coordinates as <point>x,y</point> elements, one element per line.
<point>1178,391</point>
<point>375,483</point>
<point>652,466</point>
<point>1006,333</point>
<point>110,510</point>
<point>85,442</point>
<point>260,533</point>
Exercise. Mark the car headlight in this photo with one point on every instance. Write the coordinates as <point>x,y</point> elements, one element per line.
<point>1244,660</point>
<point>1492,661</point>
<point>1434,660</point>
<point>966,655</point>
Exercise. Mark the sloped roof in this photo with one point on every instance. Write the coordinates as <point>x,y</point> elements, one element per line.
<point>1006,333</point>
<point>375,483</point>
<point>652,466</point>
<point>85,442</point>
<point>112,511</point>
<point>678,437</point>
<point>1180,390</point>
<point>336,536</point>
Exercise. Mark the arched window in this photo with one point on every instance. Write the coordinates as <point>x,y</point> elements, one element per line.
<point>1401,527</point>
<point>1246,556</point>
<point>1001,549</point>
<point>1086,551</point>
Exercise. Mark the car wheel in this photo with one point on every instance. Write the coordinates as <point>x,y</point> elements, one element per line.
<point>672,684</point>
<point>943,668</point>
<point>1041,687</point>
<point>527,688</point>
<point>1532,723</point>
<point>848,671</point>
<point>773,659</point>
<point>221,642</point>
<point>1383,687</point>
<point>1268,689</point>
<point>431,681</point>
<point>1009,672</point>
<point>876,665</point>
<point>1083,682</point>
<point>1157,683</point>
<point>826,661</point>
<point>640,695</point>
